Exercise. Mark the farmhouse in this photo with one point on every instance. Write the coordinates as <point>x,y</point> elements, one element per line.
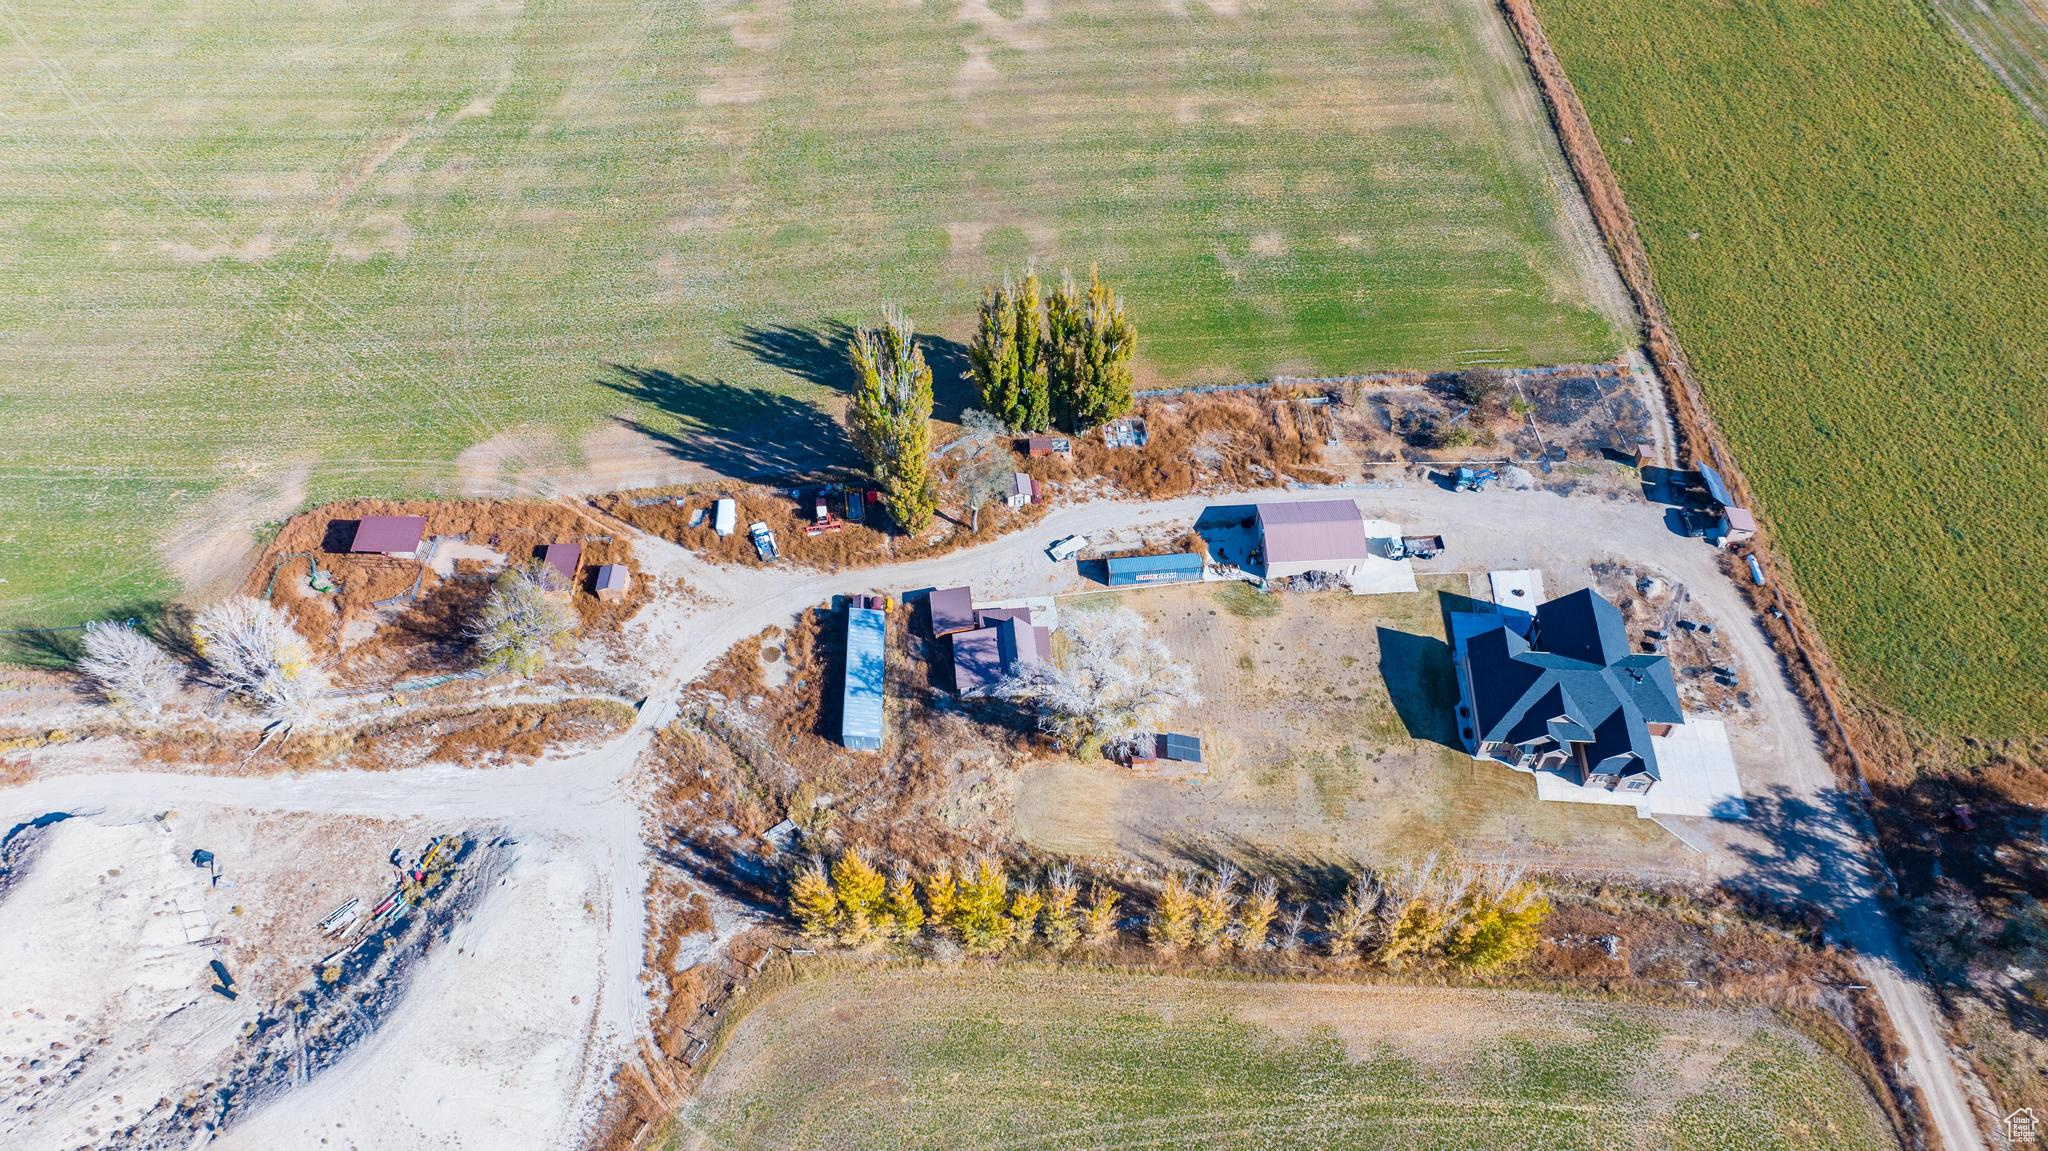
<point>388,535</point>
<point>1313,536</point>
<point>1569,698</point>
<point>1004,642</point>
<point>860,698</point>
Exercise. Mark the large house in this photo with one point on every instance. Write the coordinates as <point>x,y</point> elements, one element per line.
<point>1569,697</point>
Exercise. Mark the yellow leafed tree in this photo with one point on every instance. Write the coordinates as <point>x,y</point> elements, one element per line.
<point>813,902</point>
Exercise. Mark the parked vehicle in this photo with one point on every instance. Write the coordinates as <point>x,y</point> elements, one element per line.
<point>1474,479</point>
<point>764,542</point>
<point>725,518</point>
<point>1065,549</point>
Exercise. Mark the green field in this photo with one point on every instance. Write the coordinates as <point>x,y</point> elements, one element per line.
<point>1054,1062</point>
<point>250,245</point>
<point>1849,220</point>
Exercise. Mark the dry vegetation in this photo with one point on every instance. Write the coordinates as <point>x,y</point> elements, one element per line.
<point>426,633</point>
<point>471,735</point>
<point>854,545</point>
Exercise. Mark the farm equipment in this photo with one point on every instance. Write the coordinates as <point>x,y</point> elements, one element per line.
<point>1474,479</point>
<point>822,519</point>
<point>764,542</point>
<point>856,505</point>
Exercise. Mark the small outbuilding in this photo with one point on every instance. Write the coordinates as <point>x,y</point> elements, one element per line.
<point>611,583</point>
<point>559,563</point>
<point>860,699</point>
<point>388,535</point>
<point>1737,525</point>
<point>1310,536</point>
<point>1179,567</point>
<point>1023,490</point>
<point>952,610</point>
<point>1040,446</point>
<point>725,517</point>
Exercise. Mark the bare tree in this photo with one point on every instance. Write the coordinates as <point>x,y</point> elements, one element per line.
<point>253,651</point>
<point>521,621</point>
<point>1110,683</point>
<point>130,669</point>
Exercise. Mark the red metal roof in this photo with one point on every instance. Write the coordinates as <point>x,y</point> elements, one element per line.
<point>562,560</point>
<point>952,610</point>
<point>387,534</point>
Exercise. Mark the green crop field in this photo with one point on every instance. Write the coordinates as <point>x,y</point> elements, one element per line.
<point>1053,1062</point>
<point>1849,220</point>
<point>260,255</point>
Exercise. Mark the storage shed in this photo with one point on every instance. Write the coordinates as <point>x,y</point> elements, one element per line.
<point>1038,446</point>
<point>559,563</point>
<point>1022,490</point>
<point>1310,536</point>
<point>611,582</point>
<point>952,609</point>
<point>388,535</point>
<point>860,701</point>
<point>1179,567</point>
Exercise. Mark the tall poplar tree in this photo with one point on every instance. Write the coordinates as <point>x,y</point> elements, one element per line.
<point>1008,355</point>
<point>1088,358</point>
<point>891,418</point>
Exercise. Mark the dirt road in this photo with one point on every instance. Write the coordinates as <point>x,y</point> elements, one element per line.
<point>1804,842</point>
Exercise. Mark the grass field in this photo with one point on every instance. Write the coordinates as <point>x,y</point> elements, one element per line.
<point>1052,1062</point>
<point>1849,220</point>
<point>300,251</point>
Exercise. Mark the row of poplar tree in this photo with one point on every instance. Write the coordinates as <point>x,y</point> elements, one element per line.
<point>1427,913</point>
<point>1039,361</point>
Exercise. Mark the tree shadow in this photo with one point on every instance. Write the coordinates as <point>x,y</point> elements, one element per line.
<point>1318,879</point>
<point>745,433</point>
<point>817,353</point>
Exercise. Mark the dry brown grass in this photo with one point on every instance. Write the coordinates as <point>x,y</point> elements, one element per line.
<point>468,735</point>
<point>1203,443</point>
<point>854,545</point>
<point>426,634</point>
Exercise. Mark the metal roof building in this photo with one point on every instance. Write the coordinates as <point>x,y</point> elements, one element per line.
<point>1311,536</point>
<point>612,581</point>
<point>1180,567</point>
<point>388,535</point>
<point>561,560</point>
<point>952,610</point>
<point>860,701</point>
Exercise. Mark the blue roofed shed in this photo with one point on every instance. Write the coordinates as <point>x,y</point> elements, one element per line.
<point>860,703</point>
<point>1180,567</point>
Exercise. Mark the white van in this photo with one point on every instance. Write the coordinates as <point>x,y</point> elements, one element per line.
<point>1063,550</point>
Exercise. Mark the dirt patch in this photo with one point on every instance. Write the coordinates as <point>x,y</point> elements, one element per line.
<point>211,548</point>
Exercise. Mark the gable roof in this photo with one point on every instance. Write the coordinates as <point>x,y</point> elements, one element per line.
<point>952,609</point>
<point>1312,530</point>
<point>562,560</point>
<point>388,534</point>
<point>1574,681</point>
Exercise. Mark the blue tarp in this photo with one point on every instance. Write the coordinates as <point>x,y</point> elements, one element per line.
<point>1175,568</point>
<point>860,707</point>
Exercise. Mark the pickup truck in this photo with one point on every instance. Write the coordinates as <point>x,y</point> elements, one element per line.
<point>764,542</point>
<point>1065,549</point>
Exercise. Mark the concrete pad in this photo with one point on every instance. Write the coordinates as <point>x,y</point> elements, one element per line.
<point>1516,592</point>
<point>1699,777</point>
<point>1377,575</point>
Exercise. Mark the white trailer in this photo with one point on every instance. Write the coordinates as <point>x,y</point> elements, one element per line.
<point>726,518</point>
